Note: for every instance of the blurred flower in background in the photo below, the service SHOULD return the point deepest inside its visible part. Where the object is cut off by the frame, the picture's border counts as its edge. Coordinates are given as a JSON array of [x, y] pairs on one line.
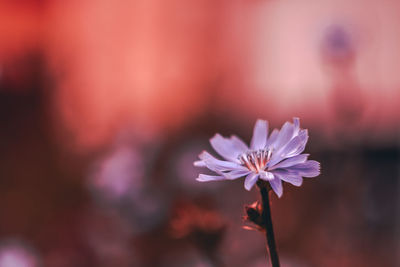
[[122, 180], [339, 52], [14, 254], [338, 43], [119, 174]]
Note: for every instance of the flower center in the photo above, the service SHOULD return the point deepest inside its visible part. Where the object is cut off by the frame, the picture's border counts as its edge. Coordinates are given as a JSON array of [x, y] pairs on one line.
[[256, 160]]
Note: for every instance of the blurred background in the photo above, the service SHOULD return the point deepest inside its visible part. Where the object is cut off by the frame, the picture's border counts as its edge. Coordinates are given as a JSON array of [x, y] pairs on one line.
[[104, 106]]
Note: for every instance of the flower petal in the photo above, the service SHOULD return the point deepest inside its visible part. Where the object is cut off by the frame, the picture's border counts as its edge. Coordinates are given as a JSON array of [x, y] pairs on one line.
[[293, 148], [207, 178], [296, 145], [225, 148], [276, 185], [215, 164], [287, 133], [239, 144], [272, 138], [296, 123], [289, 177], [250, 181], [310, 168], [236, 174], [260, 134], [290, 161], [284, 136], [266, 176], [199, 163]]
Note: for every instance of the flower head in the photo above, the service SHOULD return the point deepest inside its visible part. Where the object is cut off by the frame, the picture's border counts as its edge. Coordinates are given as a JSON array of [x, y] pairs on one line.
[[274, 158]]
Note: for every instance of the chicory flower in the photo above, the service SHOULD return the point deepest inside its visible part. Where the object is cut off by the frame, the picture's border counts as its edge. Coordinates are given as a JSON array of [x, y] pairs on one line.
[[274, 158]]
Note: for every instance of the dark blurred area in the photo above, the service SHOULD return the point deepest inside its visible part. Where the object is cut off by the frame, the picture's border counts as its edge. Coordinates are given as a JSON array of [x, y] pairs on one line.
[[104, 106]]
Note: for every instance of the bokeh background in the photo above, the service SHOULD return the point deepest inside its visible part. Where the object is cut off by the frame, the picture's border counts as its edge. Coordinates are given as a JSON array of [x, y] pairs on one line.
[[104, 105]]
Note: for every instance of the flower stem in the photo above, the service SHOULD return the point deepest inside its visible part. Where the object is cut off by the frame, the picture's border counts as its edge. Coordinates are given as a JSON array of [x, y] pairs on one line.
[[266, 214]]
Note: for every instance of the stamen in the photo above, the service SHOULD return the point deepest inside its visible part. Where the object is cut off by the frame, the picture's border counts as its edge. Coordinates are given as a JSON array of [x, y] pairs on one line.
[[256, 161], [245, 161]]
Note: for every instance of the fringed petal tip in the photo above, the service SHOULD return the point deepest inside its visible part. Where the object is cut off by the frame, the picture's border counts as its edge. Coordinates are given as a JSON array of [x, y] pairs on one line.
[[309, 169], [199, 163], [296, 122], [208, 178], [316, 168]]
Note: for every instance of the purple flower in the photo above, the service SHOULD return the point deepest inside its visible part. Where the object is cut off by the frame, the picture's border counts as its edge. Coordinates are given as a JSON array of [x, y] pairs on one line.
[[274, 158]]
